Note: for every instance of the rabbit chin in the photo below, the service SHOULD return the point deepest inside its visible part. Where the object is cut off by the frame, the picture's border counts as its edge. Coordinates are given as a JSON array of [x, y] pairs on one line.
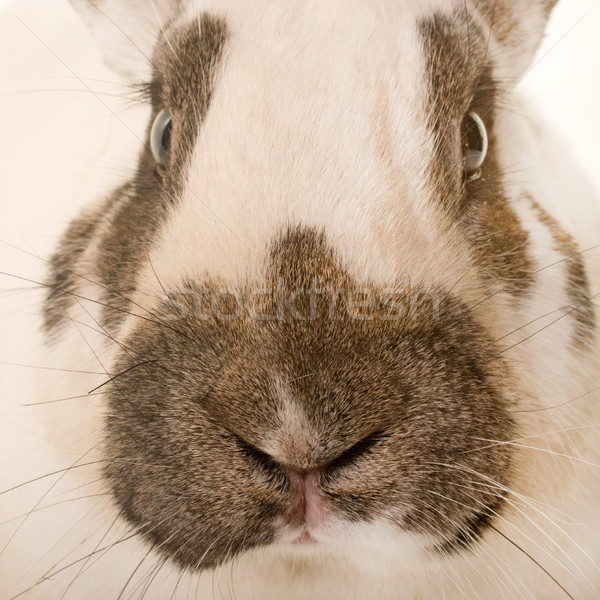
[[345, 539], [334, 563]]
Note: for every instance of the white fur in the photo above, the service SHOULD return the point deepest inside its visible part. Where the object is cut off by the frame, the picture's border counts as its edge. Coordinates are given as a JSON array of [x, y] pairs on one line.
[[267, 157]]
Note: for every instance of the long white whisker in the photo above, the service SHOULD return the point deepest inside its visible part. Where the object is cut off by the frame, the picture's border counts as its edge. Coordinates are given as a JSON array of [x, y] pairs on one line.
[[545, 450]]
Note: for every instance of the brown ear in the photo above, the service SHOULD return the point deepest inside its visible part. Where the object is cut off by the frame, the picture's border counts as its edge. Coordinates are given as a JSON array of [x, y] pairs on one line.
[[517, 26], [127, 30]]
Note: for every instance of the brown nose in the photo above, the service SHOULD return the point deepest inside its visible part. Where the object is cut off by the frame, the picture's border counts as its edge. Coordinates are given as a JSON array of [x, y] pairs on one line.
[[307, 503]]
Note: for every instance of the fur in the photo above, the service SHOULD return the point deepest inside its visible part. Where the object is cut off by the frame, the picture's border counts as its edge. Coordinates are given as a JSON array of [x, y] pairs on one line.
[[453, 448]]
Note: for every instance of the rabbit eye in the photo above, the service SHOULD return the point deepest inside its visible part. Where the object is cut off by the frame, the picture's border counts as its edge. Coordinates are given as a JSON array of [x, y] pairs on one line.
[[160, 137], [475, 144]]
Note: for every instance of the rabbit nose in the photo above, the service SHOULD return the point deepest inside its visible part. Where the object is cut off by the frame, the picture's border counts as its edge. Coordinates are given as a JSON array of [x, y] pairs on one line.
[[307, 503]]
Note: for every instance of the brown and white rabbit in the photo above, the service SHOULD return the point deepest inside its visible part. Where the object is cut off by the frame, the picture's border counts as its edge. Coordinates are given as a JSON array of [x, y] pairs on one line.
[[336, 336]]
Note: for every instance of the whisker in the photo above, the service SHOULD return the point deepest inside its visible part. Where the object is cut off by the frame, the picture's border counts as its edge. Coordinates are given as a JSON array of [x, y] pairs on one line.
[[51, 368], [150, 550], [508, 490], [130, 578], [162, 29], [40, 508], [44, 495], [83, 278], [85, 517], [53, 574], [167, 296], [128, 37], [545, 450], [559, 405], [115, 377], [514, 543], [123, 347], [60, 399], [58, 472], [154, 574], [104, 304], [83, 82], [78, 466], [538, 527], [29, 288], [450, 541], [302, 377], [545, 326], [82, 569], [65, 91], [501, 491], [556, 545], [83, 324], [558, 262], [174, 593], [98, 551], [560, 309], [567, 258], [532, 559]]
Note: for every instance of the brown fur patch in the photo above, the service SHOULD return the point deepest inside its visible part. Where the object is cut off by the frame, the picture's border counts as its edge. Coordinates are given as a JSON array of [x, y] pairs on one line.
[[187, 69], [63, 279], [578, 288], [460, 80], [391, 412], [500, 243], [455, 55], [183, 83]]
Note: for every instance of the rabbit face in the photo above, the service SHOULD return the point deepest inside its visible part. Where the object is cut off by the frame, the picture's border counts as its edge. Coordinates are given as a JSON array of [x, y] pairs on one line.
[[321, 313]]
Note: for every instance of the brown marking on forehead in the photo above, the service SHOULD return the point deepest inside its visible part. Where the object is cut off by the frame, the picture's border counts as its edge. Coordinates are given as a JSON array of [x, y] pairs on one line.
[[388, 403], [578, 288], [460, 80], [183, 83]]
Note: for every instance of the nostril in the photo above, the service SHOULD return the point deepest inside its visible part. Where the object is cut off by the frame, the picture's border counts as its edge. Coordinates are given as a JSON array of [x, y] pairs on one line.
[[297, 475], [355, 452], [299, 478], [257, 456]]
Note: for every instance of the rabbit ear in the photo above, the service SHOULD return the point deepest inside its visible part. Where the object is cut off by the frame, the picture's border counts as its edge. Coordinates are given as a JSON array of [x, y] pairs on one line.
[[517, 25], [127, 30]]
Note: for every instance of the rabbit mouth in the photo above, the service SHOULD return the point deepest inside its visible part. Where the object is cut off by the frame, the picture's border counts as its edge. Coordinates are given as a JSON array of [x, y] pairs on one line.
[[305, 538], [238, 433]]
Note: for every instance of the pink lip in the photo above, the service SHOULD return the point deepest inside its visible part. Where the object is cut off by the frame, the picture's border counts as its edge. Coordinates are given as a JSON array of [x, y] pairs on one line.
[[304, 538]]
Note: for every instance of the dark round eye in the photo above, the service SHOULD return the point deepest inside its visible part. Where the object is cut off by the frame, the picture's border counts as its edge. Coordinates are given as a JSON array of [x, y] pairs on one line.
[[160, 137], [475, 141]]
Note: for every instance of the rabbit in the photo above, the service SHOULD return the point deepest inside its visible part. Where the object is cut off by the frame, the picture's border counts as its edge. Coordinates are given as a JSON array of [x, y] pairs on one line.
[[326, 341]]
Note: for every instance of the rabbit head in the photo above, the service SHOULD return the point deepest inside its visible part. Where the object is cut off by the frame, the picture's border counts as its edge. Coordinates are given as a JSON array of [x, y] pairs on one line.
[[328, 304]]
